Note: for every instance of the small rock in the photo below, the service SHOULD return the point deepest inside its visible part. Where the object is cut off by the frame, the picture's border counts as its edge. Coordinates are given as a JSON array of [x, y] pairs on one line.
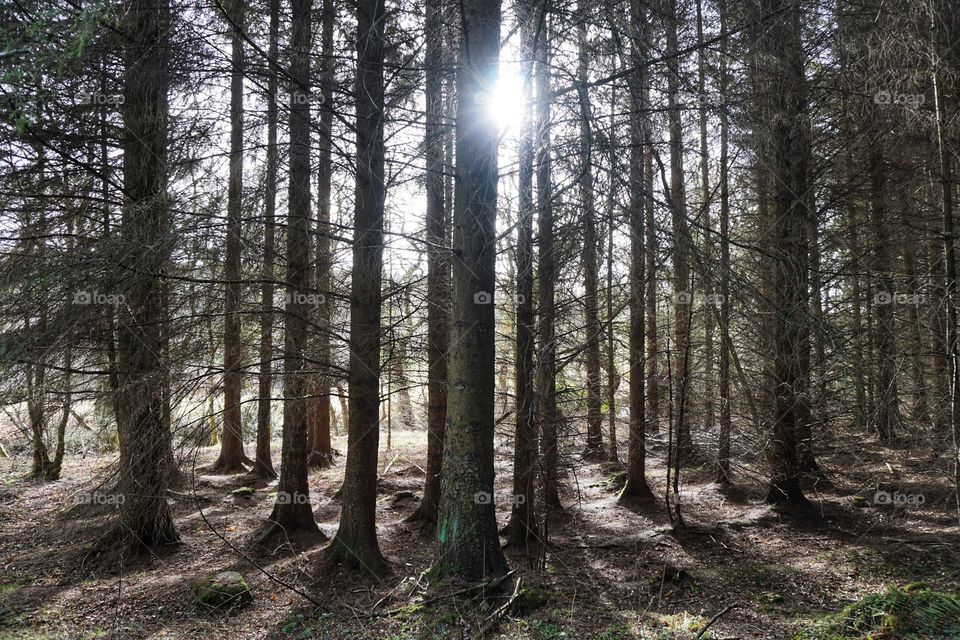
[[224, 590]]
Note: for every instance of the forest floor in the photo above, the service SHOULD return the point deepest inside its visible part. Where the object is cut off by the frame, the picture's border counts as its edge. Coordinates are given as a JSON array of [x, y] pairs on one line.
[[609, 572]]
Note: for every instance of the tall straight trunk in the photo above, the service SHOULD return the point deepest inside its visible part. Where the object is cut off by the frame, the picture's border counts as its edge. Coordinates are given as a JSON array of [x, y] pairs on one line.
[[232, 456], [468, 547], [788, 156], [438, 267], [683, 298], [887, 411], [521, 527], [939, 379], [919, 410], [546, 394], [263, 462], [356, 544], [723, 448], [636, 484], [940, 37], [321, 452], [853, 247], [292, 512], [613, 379], [651, 248], [594, 448], [710, 397], [144, 516]]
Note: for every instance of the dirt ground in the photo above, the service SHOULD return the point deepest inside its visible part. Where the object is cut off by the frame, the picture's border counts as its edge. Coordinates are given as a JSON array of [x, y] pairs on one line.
[[608, 572]]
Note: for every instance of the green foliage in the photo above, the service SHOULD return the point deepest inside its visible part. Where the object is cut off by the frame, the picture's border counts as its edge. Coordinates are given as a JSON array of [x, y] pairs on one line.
[[912, 613], [43, 50]]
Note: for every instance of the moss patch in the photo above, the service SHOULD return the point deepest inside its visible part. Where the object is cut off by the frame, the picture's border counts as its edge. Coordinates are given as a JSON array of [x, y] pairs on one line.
[[897, 613], [224, 590]]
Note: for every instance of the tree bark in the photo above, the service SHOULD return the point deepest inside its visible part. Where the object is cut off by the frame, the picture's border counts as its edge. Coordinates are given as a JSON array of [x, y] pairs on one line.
[[683, 296], [788, 155], [723, 448], [522, 528], [232, 457], [355, 544], [292, 513], [144, 516], [636, 485], [468, 547], [594, 448], [546, 394], [321, 451], [263, 462], [438, 267]]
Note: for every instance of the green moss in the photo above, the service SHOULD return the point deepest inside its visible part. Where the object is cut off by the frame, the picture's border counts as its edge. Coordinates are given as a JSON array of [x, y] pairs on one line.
[[528, 600], [909, 615], [243, 492], [616, 631], [407, 612], [224, 590]]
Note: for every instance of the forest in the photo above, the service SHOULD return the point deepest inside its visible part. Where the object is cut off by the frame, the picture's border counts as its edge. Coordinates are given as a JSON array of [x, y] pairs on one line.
[[547, 319]]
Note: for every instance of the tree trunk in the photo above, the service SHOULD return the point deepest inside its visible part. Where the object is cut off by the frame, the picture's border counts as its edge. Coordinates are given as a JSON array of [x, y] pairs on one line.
[[546, 394], [263, 462], [468, 547], [613, 379], [144, 518], [949, 248], [232, 456], [710, 394], [594, 448], [292, 513], [723, 448], [355, 544], [887, 409], [321, 452], [438, 267], [683, 296], [636, 484], [788, 155], [522, 527]]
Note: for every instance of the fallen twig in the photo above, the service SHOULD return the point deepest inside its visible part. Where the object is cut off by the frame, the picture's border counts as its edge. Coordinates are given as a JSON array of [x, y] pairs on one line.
[[729, 608]]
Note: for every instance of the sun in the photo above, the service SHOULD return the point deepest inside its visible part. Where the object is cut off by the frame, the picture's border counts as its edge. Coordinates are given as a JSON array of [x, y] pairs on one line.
[[506, 103]]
